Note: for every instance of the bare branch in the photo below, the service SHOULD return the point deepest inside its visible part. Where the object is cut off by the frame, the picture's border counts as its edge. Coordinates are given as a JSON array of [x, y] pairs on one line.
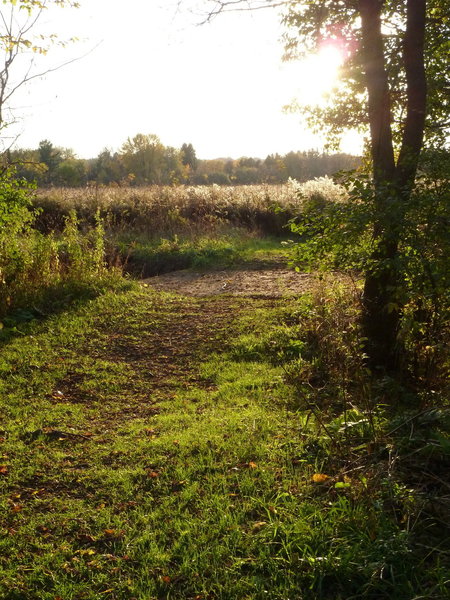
[[224, 6], [15, 40], [27, 78]]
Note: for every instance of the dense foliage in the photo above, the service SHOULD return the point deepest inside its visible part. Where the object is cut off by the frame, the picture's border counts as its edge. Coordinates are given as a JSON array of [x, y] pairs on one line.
[[337, 235]]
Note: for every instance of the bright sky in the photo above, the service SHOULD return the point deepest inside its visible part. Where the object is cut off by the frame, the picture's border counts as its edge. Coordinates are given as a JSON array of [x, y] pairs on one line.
[[219, 86]]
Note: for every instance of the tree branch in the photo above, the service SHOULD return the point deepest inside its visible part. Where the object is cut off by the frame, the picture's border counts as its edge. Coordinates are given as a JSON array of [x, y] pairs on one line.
[[223, 6]]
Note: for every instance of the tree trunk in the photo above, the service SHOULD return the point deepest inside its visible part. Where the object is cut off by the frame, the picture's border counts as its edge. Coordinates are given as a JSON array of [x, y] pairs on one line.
[[380, 311], [416, 84], [393, 183]]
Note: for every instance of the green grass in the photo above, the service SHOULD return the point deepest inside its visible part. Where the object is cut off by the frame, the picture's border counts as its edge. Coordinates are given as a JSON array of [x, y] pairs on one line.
[[146, 256], [152, 446]]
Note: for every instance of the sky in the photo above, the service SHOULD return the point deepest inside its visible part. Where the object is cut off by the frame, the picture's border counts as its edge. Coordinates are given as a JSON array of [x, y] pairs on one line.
[[148, 66]]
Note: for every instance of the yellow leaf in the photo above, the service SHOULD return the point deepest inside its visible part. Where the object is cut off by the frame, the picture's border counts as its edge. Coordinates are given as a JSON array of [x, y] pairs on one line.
[[320, 477], [258, 525]]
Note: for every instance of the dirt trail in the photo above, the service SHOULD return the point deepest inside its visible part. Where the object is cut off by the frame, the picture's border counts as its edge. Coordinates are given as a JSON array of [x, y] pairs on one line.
[[256, 281]]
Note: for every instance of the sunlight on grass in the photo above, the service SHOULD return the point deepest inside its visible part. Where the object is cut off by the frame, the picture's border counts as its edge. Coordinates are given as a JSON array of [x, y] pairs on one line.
[[126, 468]]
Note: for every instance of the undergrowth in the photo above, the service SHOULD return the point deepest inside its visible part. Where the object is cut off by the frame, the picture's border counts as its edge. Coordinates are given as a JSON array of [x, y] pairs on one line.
[[42, 273]]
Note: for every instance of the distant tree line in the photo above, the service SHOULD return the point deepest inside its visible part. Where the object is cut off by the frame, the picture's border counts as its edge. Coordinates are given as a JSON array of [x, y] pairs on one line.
[[144, 160]]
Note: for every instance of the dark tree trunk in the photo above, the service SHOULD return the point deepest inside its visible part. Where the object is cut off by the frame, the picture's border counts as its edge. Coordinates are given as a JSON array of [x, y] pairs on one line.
[[380, 316], [393, 183], [413, 52], [378, 92]]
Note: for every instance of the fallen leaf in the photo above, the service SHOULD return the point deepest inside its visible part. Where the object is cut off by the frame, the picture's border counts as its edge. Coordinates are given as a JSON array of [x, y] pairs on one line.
[[114, 533], [252, 465], [153, 474], [42, 529], [3, 470], [258, 525], [320, 477], [166, 579]]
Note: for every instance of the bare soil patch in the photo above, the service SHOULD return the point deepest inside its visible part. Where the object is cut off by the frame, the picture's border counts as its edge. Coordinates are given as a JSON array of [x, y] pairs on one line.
[[271, 282]]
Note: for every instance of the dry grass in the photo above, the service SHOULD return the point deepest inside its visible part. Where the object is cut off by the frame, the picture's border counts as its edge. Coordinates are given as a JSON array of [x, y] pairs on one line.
[[262, 208]]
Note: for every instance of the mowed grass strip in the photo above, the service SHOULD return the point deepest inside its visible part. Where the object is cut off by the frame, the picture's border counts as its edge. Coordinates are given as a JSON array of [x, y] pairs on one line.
[[145, 454]]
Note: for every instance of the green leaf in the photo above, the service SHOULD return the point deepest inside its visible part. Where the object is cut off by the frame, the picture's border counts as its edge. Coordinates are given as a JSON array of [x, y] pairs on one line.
[[339, 485]]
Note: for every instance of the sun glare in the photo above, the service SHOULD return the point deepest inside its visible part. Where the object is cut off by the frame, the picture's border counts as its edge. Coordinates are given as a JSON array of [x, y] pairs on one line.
[[317, 74]]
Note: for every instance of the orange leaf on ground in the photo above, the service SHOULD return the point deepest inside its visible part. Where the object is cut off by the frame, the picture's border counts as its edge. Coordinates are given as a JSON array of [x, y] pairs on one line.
[[252, 465], [320, 477], [3, 470]]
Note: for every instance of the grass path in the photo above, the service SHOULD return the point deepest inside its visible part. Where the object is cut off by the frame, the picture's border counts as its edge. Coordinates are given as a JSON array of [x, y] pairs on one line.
[[110, 429], [149, 450]]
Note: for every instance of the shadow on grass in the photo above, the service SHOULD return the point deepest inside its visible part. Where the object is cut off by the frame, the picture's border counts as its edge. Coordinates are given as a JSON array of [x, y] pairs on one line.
[[55, 300]]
